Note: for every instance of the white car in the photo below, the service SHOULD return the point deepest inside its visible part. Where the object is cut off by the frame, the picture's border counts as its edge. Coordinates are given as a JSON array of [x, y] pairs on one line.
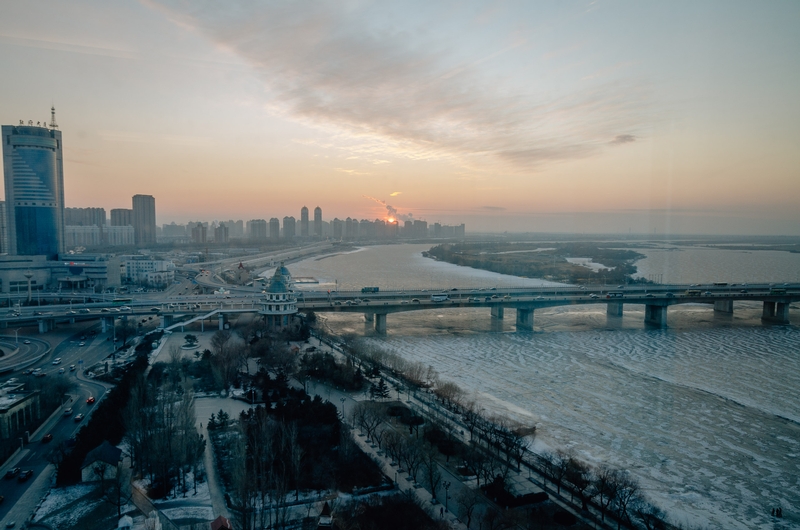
[[57, 360]]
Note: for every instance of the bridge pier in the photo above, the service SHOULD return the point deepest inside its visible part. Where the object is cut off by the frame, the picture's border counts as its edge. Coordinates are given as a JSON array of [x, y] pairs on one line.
[[723, 306], [166, 320], [497, 312], [380, 323], [221, 321], [777, 312], [47, 324], [369, 317], [614, 309], [655, 315], [524, 319], [105, 324]]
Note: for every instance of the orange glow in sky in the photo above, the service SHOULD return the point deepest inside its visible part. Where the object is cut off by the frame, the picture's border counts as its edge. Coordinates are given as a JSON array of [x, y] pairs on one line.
[[523, 116]]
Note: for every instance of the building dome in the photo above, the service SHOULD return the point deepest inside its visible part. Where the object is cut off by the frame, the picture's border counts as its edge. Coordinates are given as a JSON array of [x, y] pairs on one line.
[[279, 301]]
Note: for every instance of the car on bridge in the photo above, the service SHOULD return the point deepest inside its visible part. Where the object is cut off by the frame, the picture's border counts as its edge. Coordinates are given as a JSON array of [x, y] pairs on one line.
[[26, 342]]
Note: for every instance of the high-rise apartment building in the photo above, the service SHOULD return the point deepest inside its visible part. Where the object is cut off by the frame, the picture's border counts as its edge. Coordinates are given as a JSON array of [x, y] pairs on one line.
[[257, 230], [199, 233], [34, 182], [121, 217], [338, 225], [221, 233], [289, 224], [274, 229], [304, 222], [85, 217], [318, 221], [144, 219]]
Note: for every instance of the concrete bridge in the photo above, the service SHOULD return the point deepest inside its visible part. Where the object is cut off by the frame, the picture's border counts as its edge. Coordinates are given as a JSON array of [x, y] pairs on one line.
[[525, 301], [178, 311]]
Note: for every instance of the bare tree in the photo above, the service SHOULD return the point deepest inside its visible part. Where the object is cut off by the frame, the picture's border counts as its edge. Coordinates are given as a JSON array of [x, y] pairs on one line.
[[476, 460], [468, 499], [125, 329], [392, 440], [628, 493], [430, 467], [368, 417], [605, 486], [412, 456], [580, 476], [449, 392]]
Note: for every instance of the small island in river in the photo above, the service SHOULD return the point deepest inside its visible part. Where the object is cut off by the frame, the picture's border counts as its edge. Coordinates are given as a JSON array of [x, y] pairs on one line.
[[558, 262]]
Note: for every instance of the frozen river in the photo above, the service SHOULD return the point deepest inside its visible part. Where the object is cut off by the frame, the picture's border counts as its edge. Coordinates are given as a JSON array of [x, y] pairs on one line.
[[705, 414]]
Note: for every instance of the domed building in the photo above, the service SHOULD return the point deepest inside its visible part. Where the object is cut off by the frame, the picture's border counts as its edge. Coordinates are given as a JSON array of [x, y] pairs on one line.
[[280, 302]]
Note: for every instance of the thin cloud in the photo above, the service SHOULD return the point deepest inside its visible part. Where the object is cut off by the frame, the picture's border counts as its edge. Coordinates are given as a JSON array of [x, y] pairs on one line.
[[494, 208], [623, 139], [395, 193], [324, 64]]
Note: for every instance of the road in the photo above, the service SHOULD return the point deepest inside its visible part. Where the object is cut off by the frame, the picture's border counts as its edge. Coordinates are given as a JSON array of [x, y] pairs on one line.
[[34, 454]]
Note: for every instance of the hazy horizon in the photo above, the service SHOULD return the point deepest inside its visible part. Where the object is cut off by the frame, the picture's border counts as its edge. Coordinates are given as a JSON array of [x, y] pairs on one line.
[[581, 117]]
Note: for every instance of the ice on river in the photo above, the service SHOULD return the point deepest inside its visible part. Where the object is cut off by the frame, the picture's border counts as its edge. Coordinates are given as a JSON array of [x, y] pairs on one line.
[[707, 419]]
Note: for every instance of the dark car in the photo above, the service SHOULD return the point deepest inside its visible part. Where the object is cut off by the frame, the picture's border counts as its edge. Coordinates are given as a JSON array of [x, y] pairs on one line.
[[25, 475], [47, 438], [11, 473], [78, 418]]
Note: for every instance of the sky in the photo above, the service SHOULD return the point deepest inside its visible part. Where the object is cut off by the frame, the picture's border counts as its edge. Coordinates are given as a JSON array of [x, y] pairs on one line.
[[583, 117]]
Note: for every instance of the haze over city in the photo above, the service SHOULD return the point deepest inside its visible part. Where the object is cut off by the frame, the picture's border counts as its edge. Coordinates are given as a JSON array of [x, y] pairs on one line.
[[584, 117]]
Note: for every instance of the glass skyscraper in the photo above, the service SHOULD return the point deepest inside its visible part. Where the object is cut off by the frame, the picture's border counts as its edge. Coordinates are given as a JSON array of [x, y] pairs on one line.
[[34, 180]]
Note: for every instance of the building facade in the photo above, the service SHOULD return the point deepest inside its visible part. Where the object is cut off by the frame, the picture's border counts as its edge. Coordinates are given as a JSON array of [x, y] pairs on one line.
[[304, 221], [289, 225], [121, 217], [221, 233], [318, 221], [34, 182], [274, 229], [144, 219], [257, 230], [147, 271], [18, 409]]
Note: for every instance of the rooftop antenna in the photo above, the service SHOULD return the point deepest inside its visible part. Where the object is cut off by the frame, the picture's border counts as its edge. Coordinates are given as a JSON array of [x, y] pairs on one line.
[[53, 124]]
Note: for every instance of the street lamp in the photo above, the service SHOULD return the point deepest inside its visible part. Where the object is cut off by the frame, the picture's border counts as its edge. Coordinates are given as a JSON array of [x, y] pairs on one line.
[[16, 337], [344, 416], [446, 485]]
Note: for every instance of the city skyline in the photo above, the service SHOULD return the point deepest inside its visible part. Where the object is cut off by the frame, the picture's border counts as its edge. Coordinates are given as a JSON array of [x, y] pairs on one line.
[[581, 117]]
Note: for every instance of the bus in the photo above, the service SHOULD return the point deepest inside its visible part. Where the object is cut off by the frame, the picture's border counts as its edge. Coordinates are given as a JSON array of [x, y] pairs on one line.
[[777, 290], [122, 301], [693, 292], [370, 289], [720, 284], [439, 298]]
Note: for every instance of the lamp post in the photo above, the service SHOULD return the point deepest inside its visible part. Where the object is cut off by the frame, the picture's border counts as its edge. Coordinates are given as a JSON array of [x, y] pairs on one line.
[[446, 485], [16, 337], [344, 416]]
